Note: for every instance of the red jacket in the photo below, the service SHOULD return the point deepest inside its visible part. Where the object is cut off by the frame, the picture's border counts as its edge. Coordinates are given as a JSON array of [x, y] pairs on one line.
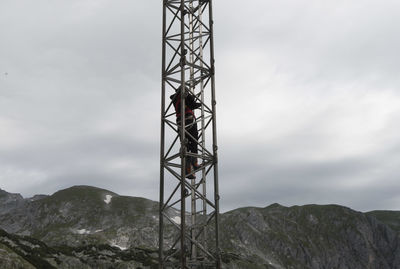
[[190, 103]]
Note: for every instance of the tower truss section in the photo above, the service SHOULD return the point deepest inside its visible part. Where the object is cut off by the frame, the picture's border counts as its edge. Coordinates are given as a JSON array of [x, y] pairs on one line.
[[189, 194]]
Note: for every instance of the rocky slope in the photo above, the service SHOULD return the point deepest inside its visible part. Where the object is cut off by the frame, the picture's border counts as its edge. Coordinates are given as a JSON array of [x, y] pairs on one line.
[[10, 201], [26, 252], [390, 218], [85, 215], [82, 224], [310, 236]]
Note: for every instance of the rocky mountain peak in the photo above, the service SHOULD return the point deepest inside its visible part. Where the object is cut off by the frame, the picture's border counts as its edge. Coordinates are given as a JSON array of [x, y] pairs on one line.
[[81, 192], [9, 201], [276, 236], [37, 197], [9, 197]]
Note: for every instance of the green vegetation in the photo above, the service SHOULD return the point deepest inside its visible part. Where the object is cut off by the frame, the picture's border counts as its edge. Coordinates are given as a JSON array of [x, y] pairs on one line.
[[390, 218], [77, 193], [32, 250], [8, 258], [38, 254]]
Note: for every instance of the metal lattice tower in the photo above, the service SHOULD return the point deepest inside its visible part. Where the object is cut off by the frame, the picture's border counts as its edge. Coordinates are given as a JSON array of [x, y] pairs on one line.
[[189, 208]]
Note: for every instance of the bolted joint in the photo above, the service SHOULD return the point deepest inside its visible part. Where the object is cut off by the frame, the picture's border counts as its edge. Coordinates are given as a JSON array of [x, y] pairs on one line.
[[212, 71], [182, 151], [186, 192], [183, 61], [183, 57]]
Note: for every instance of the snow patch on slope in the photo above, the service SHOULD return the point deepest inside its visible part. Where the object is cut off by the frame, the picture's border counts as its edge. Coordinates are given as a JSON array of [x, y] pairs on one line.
[[118, 246], [108, 199], [121, 241], [82, 231], [177, 220]]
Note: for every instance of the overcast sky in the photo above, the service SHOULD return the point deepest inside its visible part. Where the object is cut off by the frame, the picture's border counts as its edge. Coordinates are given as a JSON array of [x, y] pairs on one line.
[[308, 98]]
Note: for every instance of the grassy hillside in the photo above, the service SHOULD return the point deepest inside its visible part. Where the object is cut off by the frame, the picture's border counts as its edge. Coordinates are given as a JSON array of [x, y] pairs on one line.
[[390, 218]]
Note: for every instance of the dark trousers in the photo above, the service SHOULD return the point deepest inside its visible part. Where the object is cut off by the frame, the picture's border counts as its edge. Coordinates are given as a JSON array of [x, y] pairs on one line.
[[192, 139]]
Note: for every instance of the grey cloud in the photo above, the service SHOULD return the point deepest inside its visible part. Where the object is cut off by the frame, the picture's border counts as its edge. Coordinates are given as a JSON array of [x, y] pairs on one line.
[[261, 175], [307, 99], [330, 41], [93, 160]]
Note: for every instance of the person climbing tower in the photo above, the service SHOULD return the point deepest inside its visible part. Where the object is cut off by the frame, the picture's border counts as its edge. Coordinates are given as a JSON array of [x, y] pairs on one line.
[[191, 126]]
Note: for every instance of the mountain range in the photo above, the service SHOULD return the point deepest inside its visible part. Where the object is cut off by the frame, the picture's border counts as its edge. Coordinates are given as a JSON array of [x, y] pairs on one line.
[[89, 227]]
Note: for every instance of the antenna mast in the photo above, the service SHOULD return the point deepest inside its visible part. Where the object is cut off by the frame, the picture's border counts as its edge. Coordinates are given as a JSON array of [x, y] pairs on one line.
[[189, 208]]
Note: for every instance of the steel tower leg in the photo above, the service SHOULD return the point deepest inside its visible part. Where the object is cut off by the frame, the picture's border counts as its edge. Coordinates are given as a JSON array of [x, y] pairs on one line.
[[188, 239]]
